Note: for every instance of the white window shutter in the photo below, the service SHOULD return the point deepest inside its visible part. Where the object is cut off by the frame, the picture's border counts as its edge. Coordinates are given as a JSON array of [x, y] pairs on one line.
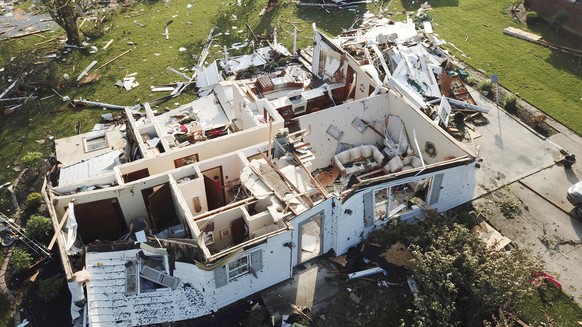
[[220, 278]]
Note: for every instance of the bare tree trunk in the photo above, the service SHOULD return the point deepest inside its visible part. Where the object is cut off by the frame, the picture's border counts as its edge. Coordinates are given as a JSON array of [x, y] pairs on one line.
[[63, 13]]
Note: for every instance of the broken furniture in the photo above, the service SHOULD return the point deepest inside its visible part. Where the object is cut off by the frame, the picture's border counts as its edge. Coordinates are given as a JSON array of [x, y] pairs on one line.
[[358, 159]]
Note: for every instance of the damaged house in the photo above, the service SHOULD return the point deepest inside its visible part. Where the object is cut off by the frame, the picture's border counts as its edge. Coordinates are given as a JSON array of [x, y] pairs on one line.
[[177, 215]]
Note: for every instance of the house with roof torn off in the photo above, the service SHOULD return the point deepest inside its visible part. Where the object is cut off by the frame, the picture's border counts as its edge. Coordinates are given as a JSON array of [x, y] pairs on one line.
[[176, 215]]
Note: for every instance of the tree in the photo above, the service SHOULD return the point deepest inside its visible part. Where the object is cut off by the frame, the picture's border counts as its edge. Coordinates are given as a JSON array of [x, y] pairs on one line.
[[38, 227], [20, 260], [463, 282], [64, 13], [50, 288]]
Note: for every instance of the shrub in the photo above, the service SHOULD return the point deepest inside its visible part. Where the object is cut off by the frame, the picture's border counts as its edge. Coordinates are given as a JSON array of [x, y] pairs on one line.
[[510, 103], [31, 157], [20, 261], [485, 86], [471, 80], [34, 199], [532, 17], [50, 288], [38, 226]]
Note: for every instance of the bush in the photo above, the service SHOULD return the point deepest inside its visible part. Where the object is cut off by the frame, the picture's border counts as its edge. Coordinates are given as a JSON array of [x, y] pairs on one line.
[[485, 86], [31, 157], [20, 261], [510, 103], [34, 199], [471, 80], [39, 227], [532, 17], [49, 289]]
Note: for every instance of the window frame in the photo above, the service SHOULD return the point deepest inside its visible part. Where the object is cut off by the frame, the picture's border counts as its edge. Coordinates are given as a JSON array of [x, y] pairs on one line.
[[101, 144], [231, 267]]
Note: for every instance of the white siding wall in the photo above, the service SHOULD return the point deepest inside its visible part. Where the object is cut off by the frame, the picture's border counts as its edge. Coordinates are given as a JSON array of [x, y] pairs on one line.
[[276, 268], [457, 187], [328, 229]]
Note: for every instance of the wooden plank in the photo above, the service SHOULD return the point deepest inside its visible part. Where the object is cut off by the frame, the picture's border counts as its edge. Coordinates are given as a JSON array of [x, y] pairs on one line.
[[112, 60], [58, 230], [314, 181], [287, 181]]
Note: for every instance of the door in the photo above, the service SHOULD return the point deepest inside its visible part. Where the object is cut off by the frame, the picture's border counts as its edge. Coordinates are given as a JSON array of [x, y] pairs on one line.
[[311, 238], [160, 206], [213, 185]]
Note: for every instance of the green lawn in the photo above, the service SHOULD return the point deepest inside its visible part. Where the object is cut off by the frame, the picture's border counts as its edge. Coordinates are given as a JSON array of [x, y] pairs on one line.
[[550, 80], [548, 306]]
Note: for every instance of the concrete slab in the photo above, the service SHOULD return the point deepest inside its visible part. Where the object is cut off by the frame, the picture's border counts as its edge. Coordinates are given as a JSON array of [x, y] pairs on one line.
[[509, 150], [543, 229], [309, 288]]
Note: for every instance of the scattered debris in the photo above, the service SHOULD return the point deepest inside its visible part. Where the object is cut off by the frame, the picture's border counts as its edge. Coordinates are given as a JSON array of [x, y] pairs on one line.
[[367, 272], [87, 103], [84, 72], [112, 60]]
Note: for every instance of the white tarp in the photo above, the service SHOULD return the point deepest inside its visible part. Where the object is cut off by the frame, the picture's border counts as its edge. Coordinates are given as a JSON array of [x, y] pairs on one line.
[[71, 225]]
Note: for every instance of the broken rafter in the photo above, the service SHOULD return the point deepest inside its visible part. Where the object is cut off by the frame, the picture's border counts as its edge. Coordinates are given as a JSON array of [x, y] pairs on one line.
[[287, 181], [314, 181], [277, 194], [58, 230]]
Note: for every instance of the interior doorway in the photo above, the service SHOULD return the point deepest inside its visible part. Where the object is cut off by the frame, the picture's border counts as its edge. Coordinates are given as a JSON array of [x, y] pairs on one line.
[[311, 238], [214, 187], [160, 206]]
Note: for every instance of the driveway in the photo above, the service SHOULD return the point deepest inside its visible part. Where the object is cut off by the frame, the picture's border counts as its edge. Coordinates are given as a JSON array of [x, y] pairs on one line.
[[519, 174]]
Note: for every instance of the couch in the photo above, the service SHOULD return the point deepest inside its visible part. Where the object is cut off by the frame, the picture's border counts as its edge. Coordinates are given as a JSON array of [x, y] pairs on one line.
[[358, 159]]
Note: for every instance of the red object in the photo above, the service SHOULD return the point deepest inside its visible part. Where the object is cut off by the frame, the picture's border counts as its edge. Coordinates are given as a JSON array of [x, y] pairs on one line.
[[537, 277], [184, 129]]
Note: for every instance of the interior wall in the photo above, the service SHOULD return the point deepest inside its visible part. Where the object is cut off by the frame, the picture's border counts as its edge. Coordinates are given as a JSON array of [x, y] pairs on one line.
[[180, 205], [341, 117], [328, 230], [192, 189], [221, 222], [205, 150], [129, 197], [446, 146]]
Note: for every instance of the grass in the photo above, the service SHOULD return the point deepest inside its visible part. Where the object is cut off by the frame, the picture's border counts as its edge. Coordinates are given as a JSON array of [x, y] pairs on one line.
[[548, 306], [550, 80]]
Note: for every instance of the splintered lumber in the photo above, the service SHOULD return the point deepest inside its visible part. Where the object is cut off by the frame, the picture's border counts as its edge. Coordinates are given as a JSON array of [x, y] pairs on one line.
[[105, 105], [83, 73], [108, 44], [27, 34], [8, 89], [112, 60], [58, 230]]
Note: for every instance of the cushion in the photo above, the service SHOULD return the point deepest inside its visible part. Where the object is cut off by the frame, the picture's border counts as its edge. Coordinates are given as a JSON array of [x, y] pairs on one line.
[[395, 164], [366, 151], [416, 162], [407, 160]]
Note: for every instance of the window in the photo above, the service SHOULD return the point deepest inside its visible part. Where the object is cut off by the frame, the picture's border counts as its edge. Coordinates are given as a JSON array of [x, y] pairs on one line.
[[95, 143], [238, 267]]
